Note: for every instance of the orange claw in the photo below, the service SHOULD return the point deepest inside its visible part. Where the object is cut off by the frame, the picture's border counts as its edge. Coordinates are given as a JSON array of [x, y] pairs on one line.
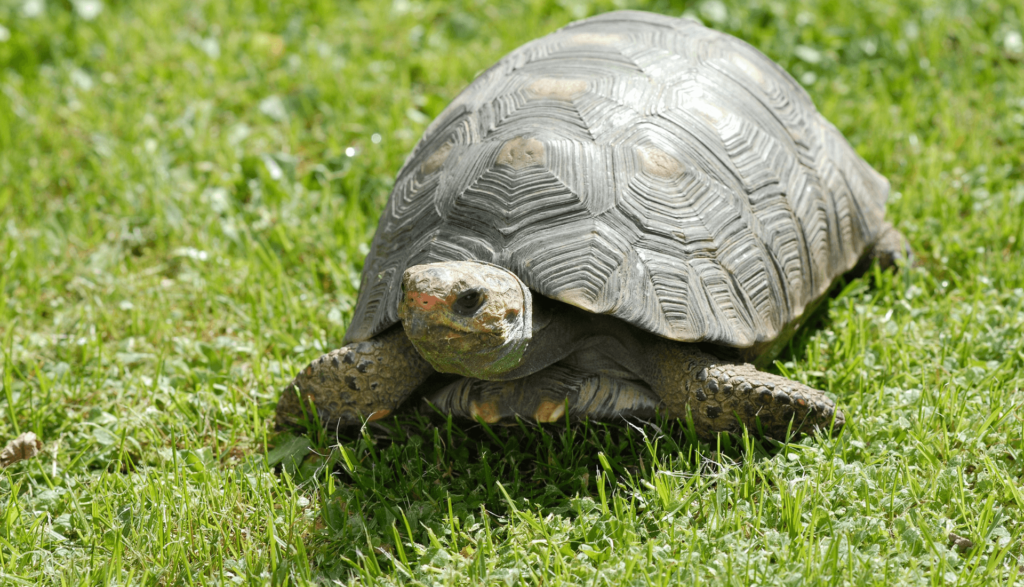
[[379, 414], [486, 411], [549, 412]]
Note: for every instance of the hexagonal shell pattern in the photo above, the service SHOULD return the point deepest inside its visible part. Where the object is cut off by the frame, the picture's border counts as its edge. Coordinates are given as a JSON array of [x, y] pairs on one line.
[[640, 166]]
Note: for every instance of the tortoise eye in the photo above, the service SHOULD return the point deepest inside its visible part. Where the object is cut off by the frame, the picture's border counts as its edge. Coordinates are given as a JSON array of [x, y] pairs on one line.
[[468, 303]]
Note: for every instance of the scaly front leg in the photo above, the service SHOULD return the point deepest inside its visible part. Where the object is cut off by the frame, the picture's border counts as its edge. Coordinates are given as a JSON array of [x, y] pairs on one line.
[[364, 380], [721, 395]]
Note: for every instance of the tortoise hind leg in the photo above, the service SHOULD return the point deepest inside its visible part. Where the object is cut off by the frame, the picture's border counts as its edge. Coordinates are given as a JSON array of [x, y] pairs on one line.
[[892, 248], [364, 380], [546, 397], [721, 395]]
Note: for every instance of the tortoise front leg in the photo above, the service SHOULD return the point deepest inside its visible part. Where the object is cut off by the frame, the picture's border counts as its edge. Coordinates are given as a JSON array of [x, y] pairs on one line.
[[721, 395], [364, 380], [546, 397]]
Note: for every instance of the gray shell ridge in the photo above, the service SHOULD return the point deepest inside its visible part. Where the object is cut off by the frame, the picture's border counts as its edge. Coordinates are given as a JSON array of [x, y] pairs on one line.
[[640, 166]]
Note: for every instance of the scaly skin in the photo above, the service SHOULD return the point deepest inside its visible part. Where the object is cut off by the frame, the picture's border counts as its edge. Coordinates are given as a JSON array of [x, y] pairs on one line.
[[360, 381], [720, 395], [891, 248]]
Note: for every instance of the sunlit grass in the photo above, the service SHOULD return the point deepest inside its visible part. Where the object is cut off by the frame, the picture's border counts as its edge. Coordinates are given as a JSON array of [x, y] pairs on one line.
[[187, 191]]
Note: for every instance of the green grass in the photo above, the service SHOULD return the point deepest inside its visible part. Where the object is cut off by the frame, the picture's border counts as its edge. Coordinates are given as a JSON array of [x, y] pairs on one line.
[[187, 191]]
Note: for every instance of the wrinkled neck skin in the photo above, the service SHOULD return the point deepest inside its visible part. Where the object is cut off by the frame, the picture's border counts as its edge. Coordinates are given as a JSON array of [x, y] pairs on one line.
[[560, 330]]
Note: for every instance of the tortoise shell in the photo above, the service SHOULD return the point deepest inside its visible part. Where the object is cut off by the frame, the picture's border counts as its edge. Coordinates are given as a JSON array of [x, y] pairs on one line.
[[640, 166]]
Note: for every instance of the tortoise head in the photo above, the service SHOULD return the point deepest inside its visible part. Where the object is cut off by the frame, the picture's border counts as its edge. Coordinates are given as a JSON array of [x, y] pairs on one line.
[[466, 317]]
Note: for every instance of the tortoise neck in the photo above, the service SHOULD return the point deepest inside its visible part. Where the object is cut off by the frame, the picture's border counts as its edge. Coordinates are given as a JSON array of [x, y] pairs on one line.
[[560, 330]]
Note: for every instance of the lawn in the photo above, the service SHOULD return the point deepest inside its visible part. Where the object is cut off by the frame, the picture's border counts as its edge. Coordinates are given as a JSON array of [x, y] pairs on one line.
[[187, 192]]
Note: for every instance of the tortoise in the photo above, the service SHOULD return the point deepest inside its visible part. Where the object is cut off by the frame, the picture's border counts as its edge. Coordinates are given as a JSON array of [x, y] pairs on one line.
[[628, 216]]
